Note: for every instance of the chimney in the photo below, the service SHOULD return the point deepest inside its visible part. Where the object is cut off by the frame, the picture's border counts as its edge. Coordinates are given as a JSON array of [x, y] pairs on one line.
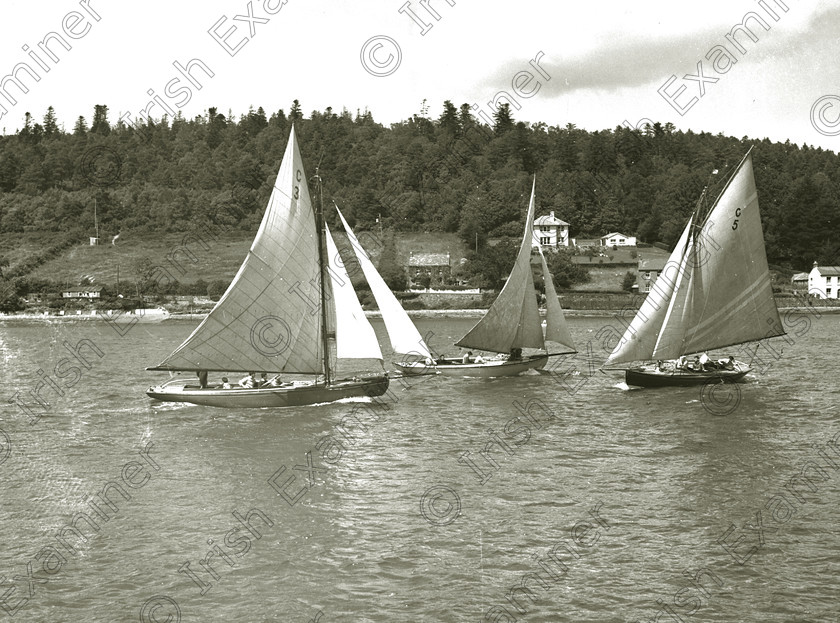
[[552, 213]]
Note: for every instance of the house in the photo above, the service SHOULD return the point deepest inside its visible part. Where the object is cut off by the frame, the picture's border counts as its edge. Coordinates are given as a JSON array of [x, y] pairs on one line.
[[82, 292], [616, 239], [823, 281], [436, 265], [551, 232], [799, 283], [649, 270]]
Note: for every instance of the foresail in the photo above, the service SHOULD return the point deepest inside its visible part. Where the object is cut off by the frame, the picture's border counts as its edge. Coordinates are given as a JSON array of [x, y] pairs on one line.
[[513, 321], [404, 336], [732, 296], [269, 317], [639, 340], [556, 329], [354, 336]]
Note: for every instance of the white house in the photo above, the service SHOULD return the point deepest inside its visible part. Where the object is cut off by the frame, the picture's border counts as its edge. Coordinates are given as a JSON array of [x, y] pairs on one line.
[[82, 292], [823, 281], [616, 239], [551, 232]]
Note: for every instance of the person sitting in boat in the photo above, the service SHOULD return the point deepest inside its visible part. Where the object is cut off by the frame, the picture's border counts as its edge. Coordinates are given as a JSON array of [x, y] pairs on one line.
[[202, 378], [467, 358], [515, 354], [263, 380], [730, 363], [660, 365], [704, 362], [274, 382], [682, 363], [225, 383], [441, 360], [478, 359], [248, 382]]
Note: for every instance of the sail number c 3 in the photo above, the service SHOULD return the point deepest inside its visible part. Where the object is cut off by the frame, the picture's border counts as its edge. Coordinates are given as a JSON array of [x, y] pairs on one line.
[[296, 194]]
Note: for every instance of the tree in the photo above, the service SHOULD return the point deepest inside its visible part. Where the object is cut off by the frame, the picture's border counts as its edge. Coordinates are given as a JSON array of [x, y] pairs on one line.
[[564, 271], [629, 281], [80, 128], [100, 123], [503, 121], [50, 123]]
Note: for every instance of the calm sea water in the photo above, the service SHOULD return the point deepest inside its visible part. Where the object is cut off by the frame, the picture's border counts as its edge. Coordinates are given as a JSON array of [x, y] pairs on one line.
[[608, 504]]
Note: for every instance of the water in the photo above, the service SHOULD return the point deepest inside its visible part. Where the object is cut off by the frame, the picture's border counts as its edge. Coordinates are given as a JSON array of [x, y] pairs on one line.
[[665, 470]]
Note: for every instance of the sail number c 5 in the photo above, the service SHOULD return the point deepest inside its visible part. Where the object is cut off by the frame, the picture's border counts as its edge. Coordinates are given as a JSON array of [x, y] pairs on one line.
[[735, 222]]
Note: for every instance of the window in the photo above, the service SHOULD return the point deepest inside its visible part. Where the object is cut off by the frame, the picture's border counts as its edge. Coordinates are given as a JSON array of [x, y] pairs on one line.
[[647, 275], [545, 240]]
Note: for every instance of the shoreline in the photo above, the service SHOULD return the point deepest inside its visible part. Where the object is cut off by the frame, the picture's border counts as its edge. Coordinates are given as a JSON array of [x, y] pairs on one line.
[[413, 313]]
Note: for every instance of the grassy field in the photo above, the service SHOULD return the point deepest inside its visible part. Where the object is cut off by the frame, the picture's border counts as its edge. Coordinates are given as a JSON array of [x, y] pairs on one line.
[[218, 259]]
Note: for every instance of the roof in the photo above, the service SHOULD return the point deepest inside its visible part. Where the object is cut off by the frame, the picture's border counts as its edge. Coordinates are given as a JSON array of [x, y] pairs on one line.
[[429, 259], [549, 220], [83, 289], [829, 271], [587, 242], [615, 233], [653, 263], [800, 277]]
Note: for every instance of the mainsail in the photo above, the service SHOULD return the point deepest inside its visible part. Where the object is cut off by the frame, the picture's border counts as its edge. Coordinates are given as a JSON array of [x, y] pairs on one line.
[[354, 336], [513, 321], [405, 339], [716, 290], [269, 318]]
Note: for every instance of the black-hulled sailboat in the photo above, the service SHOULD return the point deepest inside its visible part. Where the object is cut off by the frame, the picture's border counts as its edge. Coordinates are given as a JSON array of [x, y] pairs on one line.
[[714, 292], [277, 315], [511, 324]]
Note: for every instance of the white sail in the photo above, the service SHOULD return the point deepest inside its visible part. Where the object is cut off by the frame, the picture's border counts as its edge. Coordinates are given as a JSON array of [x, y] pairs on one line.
[[269, 317], [513, 321], [354, 336], [404, 336], [556, 329], [639, 340]]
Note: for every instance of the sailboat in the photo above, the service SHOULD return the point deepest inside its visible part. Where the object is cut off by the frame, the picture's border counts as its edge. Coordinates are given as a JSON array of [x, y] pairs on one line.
[[714, 292], [276, 317], [511, 324]]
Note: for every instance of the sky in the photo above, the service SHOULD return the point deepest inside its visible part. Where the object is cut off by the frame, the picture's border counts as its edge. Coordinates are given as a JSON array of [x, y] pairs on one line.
[[594, 64]]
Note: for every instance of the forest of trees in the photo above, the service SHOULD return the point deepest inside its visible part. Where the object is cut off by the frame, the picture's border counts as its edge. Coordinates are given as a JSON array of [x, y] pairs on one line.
[[449, 174]]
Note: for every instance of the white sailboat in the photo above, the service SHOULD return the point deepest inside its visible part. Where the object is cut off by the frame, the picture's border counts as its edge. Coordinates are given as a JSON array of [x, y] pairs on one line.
[[512, 323], [714, 292], [278, 313]]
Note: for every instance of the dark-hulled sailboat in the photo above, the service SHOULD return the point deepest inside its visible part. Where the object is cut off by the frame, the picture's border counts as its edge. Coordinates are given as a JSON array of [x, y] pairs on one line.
[[512, 322], [714, 292], [278, 313]]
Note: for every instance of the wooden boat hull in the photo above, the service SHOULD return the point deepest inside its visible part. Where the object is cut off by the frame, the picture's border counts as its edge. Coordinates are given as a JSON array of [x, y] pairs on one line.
[[296, 395], [649, 376], [488, 369]]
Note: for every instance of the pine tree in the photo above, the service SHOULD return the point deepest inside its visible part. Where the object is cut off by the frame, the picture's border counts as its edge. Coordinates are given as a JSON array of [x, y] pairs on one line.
[[50, 123], [81, 128], [100, 123]]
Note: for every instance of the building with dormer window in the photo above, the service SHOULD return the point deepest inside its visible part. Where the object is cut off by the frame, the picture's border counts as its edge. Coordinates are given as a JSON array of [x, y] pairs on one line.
[[550, 232]]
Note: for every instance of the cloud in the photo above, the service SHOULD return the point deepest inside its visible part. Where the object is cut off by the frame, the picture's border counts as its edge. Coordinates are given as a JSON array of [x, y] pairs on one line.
[[622, 62]]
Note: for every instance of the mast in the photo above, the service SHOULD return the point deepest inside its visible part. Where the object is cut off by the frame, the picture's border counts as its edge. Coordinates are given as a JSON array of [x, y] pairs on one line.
[[322, 265]]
